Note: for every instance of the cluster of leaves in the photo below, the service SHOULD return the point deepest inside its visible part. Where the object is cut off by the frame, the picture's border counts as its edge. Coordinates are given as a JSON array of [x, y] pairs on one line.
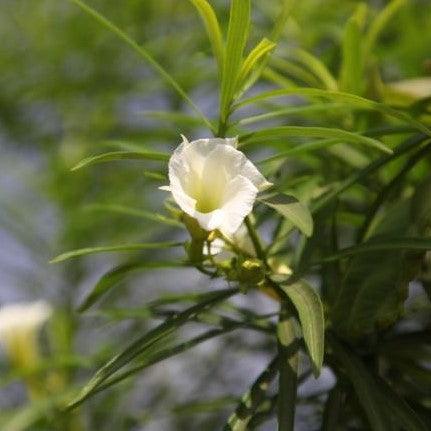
[[350, 209]]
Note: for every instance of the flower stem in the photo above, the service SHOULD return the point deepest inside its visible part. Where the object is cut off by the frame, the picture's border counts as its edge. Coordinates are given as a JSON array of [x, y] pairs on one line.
[[254, 236]]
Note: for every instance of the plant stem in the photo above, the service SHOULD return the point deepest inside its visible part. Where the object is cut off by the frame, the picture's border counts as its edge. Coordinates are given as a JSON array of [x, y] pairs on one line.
[[288, 346], [254, 236]]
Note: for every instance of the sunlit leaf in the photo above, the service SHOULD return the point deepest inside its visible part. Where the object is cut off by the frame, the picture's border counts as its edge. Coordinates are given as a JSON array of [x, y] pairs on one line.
[[316, 132], [352, 64], [239, 23], [317, 67], [310, 310], [264, 47], [352, 99], [292, 209], [213, 29]]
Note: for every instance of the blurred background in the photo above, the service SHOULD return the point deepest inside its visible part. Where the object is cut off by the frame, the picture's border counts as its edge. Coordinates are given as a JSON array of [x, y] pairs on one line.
[[70, 89]]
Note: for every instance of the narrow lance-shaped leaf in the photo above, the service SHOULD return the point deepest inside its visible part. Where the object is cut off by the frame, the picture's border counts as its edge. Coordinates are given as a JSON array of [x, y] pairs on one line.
[[399, 408], [317, 67], [113, 277], [115, 248], [291, 110], [310, 310], [264, 47], [309, 131], [143, 53], [290, 207], [380, 22], [363, 383], [239, 23], [134, 212], [414, 142], [352, 65], [114, 156], [148, 340], [380, 245], [354, 100], [295, 71], [213, 29]]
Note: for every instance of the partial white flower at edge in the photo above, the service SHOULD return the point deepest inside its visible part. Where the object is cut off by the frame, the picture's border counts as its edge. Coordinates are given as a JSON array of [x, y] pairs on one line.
[[19, 326], [214, 183], [23, 317]]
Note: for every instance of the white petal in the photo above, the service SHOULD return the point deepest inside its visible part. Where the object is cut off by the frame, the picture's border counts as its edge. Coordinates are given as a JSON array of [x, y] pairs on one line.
[[19, 317], [185, 202], [238, 203], [250, 171], [210, 221], [165, 188]]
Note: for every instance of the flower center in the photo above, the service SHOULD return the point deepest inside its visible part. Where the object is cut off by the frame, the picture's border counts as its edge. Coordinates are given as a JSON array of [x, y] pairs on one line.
[[209, 190]]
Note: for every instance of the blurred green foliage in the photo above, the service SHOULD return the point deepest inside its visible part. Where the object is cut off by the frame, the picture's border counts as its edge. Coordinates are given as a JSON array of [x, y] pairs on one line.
[[69, 88]]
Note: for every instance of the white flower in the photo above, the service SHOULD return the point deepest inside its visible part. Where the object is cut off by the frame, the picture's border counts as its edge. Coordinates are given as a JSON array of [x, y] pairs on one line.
[[239, 239], [22, 319], [214, 183]]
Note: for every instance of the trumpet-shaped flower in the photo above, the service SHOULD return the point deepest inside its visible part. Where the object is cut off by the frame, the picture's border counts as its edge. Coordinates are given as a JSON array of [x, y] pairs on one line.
[[22, 317], [214, 183], [19, 324]]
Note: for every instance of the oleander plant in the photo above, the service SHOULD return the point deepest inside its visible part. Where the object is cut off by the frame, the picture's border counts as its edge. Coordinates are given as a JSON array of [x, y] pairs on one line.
[[227, 210]]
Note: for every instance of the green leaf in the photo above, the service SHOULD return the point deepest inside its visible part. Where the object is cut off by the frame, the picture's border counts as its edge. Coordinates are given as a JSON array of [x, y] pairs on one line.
[[281, 20], [264, 47], [366, 388], [317, 67], [212, 27], [117, 274], [121, 155], [382, 245], [413, 142], [308, 131], [300, 149], [352, 99], [143, 53], [290, 207], [160, 356], [375, 283], [380, 22], [295, 71], [310, 310], [134, 212], [292, 110], [148, 340], [352, 64], [400, 410], [113, 248], [239, 23], [333, 409], [276, 33]]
